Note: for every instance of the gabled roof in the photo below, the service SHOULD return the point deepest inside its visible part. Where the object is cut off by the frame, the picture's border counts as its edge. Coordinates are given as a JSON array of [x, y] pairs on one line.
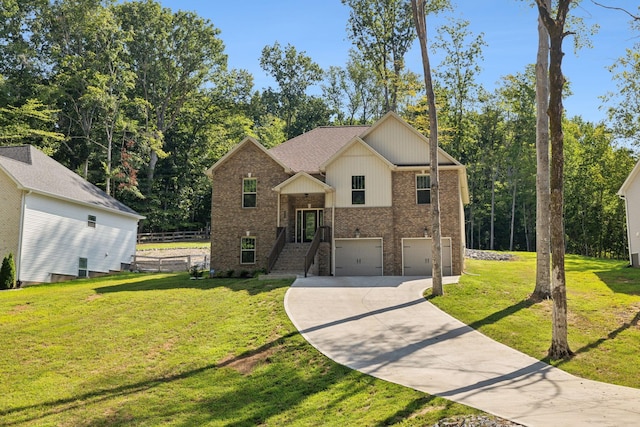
[[354, 141], [393, 116], [32, 170], [308, 151], [247, 140], [627, 182], [312, 184]]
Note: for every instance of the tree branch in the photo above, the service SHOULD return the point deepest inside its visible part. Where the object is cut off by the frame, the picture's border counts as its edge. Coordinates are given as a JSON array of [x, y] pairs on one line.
[[635, 17]]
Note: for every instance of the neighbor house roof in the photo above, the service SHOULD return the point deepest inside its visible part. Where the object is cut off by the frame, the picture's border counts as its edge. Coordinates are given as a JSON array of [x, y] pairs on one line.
[[32, 170], [627, 182], [307, 152]]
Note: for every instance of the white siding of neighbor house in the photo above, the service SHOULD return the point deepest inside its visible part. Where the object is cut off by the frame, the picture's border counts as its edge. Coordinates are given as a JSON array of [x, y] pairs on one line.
[[359, 160], [399, 144], [10, 207], [56, 235], [632, 200]]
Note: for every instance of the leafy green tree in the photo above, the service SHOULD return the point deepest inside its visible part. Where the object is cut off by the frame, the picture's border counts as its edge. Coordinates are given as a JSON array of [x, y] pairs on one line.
[[294, 72], [383, 31], [8, 273], [457, 74], [352, 92], [173, 55]]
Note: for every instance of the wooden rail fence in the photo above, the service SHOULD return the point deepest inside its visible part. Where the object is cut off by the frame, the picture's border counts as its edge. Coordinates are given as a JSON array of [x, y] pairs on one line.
[[173, 236]]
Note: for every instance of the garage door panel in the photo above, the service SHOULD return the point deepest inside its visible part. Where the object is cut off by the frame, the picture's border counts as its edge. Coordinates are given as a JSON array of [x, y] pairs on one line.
[[358, 257], [417, 259]]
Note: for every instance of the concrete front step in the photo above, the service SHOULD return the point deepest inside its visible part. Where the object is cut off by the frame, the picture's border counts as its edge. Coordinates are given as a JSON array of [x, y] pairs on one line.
[[291, 258]]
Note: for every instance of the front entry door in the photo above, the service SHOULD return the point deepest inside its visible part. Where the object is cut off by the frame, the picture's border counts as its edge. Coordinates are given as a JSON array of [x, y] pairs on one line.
[[308, 221]]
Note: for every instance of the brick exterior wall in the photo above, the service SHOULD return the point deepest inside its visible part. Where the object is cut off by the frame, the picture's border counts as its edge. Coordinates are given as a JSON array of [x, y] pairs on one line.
[[10, 207], [230, 221], [411, 218], [405, 218]]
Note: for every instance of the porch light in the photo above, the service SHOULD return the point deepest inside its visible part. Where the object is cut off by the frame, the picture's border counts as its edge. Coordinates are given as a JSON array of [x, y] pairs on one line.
[[426, 232], [357, 233], [248, 233]]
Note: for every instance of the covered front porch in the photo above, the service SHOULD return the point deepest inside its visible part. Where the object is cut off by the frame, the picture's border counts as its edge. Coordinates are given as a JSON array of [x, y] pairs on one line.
[[303, 203]]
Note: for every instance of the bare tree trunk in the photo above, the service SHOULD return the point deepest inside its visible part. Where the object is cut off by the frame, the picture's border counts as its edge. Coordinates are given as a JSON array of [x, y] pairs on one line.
[[513, 212], [436, 253], [543, 260], [493, 207], [559, 337]]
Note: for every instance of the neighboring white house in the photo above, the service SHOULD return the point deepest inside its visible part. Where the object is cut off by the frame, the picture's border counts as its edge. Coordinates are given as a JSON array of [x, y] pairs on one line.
[[56, 224], [630, 193]]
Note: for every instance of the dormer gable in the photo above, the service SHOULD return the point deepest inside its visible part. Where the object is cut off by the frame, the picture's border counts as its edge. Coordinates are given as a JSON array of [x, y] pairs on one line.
[[302, 183], [401, 144]]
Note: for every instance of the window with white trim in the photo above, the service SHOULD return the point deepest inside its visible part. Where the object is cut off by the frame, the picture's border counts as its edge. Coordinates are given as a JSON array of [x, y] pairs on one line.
[[249, 192], [248, 250], [83, 267], [423, 189], [91, 221], [357, 190]]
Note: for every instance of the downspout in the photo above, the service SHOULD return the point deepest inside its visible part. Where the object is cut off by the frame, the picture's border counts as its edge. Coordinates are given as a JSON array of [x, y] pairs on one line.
[[333, 227]]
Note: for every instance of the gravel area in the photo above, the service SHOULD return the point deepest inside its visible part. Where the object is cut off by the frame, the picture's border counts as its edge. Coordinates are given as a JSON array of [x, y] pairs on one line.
[[475, 421], [488, 255]]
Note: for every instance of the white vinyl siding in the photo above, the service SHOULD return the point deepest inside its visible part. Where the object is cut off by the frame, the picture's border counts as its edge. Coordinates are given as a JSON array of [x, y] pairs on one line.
[[399, 144], [56, 235], [359, 160], [632, 201]]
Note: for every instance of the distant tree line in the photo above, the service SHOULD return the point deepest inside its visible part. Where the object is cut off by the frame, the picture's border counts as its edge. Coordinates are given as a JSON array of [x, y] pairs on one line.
[[138, 99]]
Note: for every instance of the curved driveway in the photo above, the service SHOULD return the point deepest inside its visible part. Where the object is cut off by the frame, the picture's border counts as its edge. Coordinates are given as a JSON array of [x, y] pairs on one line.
[[383, 326]]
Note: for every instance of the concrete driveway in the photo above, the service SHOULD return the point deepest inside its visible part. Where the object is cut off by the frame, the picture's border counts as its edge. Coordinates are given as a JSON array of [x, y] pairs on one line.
[[382, 326]]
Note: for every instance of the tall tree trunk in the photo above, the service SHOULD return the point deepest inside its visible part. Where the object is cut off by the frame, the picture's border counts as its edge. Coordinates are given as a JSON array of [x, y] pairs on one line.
[[513, 212], [559, 337], [543, 259], [436, 253], [493, 207]]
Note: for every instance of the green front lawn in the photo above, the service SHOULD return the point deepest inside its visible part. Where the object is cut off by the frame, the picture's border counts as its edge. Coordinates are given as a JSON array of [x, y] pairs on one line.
[[161, 349], [603, 305]]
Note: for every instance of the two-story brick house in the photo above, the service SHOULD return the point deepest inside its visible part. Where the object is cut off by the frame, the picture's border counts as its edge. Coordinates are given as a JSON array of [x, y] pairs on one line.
[[367, 188]]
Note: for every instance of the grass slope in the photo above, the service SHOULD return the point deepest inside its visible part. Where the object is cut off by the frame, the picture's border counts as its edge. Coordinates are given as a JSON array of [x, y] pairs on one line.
[[603, 305], [161, 349]]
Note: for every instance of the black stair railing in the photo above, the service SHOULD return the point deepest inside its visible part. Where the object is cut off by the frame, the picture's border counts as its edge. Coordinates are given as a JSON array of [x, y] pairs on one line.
[[322, 235], [276, 249]]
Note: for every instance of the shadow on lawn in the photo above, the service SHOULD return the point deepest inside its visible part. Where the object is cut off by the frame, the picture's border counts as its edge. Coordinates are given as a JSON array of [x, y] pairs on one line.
[[150, 282], [621, 280], [271, 388]]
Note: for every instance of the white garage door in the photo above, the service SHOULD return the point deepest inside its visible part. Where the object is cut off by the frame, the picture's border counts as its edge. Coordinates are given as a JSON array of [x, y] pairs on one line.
[[358, 257], [416, 257]]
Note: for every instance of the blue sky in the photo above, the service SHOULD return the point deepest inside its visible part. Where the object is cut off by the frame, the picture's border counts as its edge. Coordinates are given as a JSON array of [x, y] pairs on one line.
[[319, 28]]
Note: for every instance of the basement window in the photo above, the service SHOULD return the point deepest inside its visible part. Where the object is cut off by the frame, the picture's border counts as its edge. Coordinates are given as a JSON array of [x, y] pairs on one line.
[[83, 270], [248, 250]]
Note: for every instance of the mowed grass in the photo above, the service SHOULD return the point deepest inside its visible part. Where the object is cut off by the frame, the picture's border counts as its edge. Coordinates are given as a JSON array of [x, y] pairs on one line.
[[149, 350], [603, 313]]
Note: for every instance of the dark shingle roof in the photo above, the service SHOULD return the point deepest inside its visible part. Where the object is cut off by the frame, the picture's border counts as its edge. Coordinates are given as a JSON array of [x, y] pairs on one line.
[[33, 170], [306, 152]]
